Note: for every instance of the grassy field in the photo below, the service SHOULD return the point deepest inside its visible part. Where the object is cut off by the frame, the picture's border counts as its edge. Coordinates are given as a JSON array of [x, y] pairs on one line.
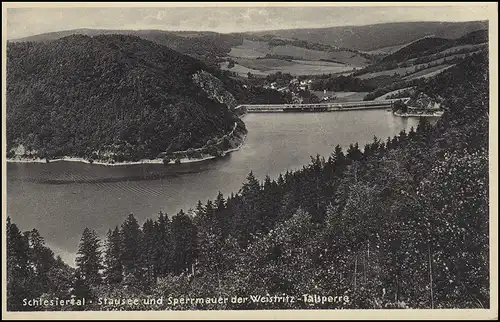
[[256, 49], [399, 71], [242, 70], [350, 96], [429, 72], [319, 63], [294, 67], [249, 58], [320, 93], [383, 97], [451, 56], [345, 57], [342, 96], [451, 50], [411, 69], [298, 69], [264, 64], [385, 50], [250, 49], [299, 52], [441, 60]]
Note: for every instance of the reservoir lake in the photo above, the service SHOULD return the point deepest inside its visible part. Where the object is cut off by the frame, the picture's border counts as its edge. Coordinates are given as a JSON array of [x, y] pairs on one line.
[[60, 199]]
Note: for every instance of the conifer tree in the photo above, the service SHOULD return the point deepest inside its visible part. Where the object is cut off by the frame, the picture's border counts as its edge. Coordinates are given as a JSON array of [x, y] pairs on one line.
[[148, 250], [200, 213], [41, 259], [130, 247], [221, 214], [247, 219], [339, 159], [113, 265], [210, 239], [81, 290], [424, 128], [268, 209], [184, 236], [88, 259], [18, 271], [163, 254]]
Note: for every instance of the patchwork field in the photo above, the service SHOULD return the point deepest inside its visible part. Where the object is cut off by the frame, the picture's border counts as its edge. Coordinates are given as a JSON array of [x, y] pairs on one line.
[[429, 72], [298, 69], [385, 50], [453, 49], [250, 49], [343, 56], [402, 71], [250, 55], [267, 66], [449, 57], [390, 72], [242, 70], [263, 64]]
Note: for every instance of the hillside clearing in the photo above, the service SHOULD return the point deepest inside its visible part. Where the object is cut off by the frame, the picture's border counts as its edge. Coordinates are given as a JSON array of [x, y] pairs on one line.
[[383, 97], [453, 49], [242, 70], [402, 71], [295, 67], [250, 49], [342, 56], [342, 96], [385, 50], [429, 72]]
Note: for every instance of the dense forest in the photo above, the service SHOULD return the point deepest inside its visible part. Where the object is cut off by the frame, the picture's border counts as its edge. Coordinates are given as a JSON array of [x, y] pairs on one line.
[[372, 37], [252, 91], [344, 83], [206, 46], [402, 222], [110, 97], [431, 45]]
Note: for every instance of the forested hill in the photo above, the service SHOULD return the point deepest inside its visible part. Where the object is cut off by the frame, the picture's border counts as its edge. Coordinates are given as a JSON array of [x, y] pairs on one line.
[[430, 45], [206, 46], [376, 36], [402, 223], [108, 95]]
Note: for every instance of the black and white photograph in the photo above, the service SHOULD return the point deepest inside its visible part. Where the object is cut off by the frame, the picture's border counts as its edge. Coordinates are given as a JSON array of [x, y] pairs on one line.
[[262, 160]]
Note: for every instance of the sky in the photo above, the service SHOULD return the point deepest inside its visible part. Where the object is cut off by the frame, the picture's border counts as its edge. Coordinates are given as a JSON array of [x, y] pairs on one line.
[[27, 21]]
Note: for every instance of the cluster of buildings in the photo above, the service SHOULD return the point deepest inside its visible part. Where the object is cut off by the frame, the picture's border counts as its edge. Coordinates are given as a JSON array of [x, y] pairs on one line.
[[296, 88], [293, 86]]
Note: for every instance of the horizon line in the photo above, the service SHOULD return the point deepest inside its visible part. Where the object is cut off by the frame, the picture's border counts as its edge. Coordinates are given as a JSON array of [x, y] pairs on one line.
[[251, 31]]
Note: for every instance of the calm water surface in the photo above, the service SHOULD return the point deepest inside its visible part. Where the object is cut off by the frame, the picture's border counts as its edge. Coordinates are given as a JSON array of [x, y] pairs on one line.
[[60, 199]]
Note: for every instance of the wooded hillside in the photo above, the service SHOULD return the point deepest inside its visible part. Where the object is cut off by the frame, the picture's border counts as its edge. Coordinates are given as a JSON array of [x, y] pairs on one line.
[[108, 97]]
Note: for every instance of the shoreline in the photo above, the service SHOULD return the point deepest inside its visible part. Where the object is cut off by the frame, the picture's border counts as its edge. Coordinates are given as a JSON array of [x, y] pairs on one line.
[[126, 163], [418, 115]]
